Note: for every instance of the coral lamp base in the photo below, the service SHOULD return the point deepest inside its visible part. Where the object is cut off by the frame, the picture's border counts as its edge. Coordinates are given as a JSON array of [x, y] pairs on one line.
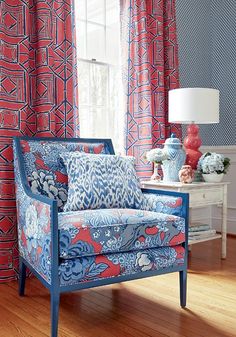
[[192, 142]]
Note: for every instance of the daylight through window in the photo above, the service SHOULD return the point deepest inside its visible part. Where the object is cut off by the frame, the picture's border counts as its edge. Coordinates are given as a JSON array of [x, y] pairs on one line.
[[99, 70]]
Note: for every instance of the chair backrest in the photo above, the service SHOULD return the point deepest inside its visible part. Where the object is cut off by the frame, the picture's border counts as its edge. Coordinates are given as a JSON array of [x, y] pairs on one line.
[[45, 171]]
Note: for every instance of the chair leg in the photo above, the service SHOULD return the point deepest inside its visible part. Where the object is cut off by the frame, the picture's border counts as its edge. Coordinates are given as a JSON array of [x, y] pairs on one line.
[[183, 287], [55, 300], [22, 277]]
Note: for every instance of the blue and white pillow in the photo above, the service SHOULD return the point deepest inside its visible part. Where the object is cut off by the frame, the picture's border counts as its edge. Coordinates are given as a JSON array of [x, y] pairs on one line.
[[101, 181]]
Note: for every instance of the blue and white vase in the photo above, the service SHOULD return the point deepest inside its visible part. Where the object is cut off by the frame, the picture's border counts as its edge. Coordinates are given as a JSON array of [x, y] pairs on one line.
[[177, 157]]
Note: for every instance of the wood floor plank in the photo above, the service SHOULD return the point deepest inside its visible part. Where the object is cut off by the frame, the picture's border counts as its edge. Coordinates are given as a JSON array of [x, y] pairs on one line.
[[141, 308], [13, 326]]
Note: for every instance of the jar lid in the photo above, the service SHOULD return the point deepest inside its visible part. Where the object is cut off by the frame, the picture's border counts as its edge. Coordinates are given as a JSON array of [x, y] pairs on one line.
[[173, 140]]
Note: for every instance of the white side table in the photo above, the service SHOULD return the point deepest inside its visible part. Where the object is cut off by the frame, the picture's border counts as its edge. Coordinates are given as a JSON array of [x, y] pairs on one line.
[[200, 195]]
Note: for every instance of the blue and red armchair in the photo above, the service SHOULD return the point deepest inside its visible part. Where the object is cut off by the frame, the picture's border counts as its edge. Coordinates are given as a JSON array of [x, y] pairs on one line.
[[70, 251]]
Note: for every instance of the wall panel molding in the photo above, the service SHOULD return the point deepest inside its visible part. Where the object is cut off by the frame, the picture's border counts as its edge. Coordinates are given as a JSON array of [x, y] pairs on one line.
[[203, 213]]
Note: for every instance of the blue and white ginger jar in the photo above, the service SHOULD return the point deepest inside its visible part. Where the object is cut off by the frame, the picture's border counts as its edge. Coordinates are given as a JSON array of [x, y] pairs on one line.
[[177, 157]]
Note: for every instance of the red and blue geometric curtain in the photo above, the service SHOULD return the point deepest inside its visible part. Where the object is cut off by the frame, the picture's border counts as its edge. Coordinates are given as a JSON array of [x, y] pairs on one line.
[[37, 95], [150, 69]]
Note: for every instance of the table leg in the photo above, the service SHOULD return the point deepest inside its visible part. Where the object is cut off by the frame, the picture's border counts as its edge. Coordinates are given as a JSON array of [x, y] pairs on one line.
[[224, 224], [210, 213]]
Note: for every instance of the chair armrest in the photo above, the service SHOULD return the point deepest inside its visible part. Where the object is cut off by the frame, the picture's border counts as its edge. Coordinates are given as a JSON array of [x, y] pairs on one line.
[[37, 224], [168, 202]]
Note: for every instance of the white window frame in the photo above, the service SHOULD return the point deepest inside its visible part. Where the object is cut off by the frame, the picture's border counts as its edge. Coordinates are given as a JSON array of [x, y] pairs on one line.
[[119, 147]]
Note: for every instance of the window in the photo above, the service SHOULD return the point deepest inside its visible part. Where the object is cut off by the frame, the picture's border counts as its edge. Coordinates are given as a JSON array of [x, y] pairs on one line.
[[99, 70]]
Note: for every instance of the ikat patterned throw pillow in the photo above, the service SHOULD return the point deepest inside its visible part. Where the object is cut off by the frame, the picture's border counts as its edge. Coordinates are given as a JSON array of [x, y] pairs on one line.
[[101, 181]]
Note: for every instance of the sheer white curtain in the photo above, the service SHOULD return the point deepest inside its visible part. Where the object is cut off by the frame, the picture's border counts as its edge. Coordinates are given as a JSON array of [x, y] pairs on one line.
[[101, 107]]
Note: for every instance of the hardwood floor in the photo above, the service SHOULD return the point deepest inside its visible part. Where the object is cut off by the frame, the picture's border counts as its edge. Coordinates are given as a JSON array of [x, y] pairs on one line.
[[148, 307]]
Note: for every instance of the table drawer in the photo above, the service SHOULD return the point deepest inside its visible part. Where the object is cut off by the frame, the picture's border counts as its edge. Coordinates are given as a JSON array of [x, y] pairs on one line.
[[206, 197]]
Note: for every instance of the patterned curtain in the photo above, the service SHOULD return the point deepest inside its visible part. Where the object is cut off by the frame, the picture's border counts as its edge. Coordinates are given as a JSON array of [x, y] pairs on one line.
[[150, 69], [38, 94]]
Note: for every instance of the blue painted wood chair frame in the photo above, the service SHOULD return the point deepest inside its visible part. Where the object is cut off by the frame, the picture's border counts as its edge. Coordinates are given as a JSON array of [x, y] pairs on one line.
[[54, 287]]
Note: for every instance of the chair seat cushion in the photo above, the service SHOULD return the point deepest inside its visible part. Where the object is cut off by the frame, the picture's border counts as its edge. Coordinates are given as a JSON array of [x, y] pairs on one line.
[[93, 232], [91, 268]]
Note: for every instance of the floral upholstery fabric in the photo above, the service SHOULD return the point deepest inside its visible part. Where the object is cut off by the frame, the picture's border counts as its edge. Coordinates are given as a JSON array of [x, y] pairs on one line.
[[101, 181], [162, 203], [93, 244], [34, 228], [45, 170], [92, 232], [92, 268]]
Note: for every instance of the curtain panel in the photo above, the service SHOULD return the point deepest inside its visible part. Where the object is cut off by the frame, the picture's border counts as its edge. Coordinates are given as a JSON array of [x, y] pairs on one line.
[[150, 69], [38, 94]]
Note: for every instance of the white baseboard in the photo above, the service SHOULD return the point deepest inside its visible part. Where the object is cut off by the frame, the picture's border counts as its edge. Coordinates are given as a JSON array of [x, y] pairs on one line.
[[231, 225]]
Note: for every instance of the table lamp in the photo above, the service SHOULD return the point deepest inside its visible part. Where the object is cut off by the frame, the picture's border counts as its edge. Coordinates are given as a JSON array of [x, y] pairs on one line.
[[191, 106]]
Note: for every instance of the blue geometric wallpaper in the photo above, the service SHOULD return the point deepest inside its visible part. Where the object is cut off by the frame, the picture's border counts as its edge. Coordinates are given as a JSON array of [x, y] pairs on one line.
[[207, 57]]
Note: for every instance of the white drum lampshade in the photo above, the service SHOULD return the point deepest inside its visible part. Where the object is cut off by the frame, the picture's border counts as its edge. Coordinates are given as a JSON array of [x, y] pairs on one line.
[[190, 106], [198, 105]]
